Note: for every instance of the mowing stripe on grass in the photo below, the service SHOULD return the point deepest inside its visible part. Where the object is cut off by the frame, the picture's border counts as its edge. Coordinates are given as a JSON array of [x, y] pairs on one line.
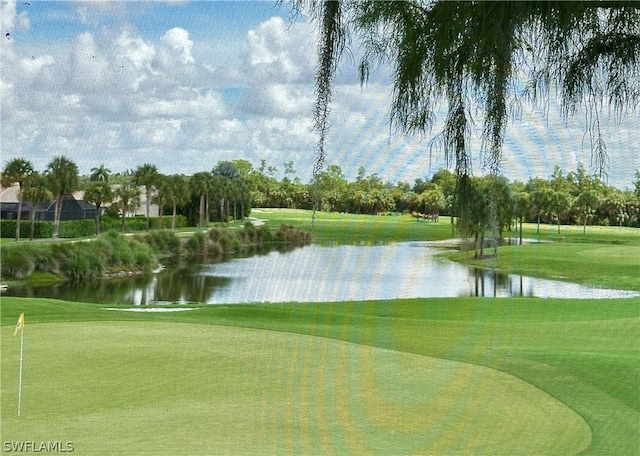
[[167, 388]]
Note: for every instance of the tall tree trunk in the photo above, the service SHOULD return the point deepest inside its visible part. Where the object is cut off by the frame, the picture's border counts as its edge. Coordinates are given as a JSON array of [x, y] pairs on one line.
[[207, 202], [56, 216], [475, 246], [201, 209], [19, 217], [173, 218], [520, 230], [97, 219], [148, 207], [32, 218]]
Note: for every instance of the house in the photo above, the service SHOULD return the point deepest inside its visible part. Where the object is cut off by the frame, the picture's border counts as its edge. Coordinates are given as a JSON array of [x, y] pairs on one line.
[[73, 208]]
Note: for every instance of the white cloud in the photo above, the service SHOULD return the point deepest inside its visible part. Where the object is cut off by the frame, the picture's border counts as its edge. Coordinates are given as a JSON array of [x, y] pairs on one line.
[[137, 51], [177, 48], [281, 52], [122, 96], [8, 18]]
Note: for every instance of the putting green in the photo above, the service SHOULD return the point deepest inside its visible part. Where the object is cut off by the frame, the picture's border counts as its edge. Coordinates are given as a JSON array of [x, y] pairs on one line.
[[171, 388]]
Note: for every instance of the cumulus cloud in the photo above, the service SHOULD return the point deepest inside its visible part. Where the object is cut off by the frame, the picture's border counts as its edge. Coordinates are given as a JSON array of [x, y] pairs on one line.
[[282, 52], [176, 48], [114, 94]]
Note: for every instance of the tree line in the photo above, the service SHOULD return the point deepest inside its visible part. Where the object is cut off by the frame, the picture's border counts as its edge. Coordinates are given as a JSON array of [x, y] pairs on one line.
[[232, 188]]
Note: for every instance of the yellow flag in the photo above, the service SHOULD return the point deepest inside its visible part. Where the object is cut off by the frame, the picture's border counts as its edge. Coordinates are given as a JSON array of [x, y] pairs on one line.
[[19, 325]]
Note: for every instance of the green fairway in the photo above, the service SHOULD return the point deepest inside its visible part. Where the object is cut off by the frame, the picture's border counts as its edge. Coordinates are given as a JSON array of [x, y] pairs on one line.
[[606, 257], [339, 228], [601, 265], [425, 376]]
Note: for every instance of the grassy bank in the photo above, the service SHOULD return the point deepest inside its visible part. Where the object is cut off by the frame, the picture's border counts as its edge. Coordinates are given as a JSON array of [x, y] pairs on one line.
[[607, 257], [340, 228], [425, 376], [112, 253], [601, 265]]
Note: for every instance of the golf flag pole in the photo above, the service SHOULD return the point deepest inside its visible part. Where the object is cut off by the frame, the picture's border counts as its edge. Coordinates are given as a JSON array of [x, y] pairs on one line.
[[20, 328]]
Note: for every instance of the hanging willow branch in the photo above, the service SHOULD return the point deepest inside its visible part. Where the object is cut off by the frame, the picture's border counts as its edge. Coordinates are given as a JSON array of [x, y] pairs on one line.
[[331, 43], [467, 56]]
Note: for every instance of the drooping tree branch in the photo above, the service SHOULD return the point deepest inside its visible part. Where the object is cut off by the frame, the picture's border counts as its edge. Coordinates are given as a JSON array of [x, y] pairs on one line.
[[332, 38], [469, 56]]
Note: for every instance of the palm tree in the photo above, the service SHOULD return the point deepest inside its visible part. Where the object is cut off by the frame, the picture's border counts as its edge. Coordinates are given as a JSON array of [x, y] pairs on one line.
[[98, 192], [177, 188], [17, 170], [200, 184], [37, 191], [62, 175], [128, 200], [161, 198], [148, 176], [100, 173]]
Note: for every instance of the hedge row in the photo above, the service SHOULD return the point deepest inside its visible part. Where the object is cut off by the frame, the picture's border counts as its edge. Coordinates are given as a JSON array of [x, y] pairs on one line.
[[41, 229], [77, 260], [81, 228]]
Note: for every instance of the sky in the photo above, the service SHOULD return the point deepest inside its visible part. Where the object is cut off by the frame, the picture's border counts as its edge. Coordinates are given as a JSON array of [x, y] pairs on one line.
[[185, 84]]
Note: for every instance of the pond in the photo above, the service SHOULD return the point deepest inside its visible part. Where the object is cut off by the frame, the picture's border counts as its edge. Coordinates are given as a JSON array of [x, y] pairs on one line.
[[318, 274]]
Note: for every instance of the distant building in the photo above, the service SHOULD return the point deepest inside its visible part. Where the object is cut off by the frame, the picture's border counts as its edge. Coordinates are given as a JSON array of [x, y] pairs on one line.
[[72, 207]]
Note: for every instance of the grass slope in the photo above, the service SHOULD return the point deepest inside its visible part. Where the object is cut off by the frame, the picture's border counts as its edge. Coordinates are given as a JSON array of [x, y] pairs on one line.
[[443, 376], [607, 257], [601, 265]]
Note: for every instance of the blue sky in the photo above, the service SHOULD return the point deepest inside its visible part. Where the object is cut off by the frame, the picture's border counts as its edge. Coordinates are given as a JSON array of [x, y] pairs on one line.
[[185, 84]]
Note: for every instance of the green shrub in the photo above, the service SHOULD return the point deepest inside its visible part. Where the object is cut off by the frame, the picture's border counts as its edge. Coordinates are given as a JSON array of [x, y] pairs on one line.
[[264, 234], [103, 248], [163, 241], [70, 229], [76, 267], [40, 230], [139, 223], [249, 232], [142, 256], [224, 237], [215, 250], [16, 263], [291, 235], [117, 249], [45, 260], [197, 243]]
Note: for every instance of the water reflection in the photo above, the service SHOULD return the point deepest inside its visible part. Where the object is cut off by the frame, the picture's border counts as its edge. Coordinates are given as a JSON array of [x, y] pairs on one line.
[[317, 274]]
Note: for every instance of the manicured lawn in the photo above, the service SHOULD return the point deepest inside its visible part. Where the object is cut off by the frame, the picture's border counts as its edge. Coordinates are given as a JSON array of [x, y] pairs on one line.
[[607, 257], [338, 228], [601, 265], [425, 376]]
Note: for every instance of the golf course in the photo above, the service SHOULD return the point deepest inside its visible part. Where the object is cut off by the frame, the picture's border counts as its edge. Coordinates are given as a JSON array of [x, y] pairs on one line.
[[437, 376]]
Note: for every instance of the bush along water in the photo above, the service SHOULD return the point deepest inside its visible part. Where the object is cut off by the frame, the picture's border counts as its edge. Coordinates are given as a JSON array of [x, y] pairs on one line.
[[112, 255], [107, 254], [221, 243]]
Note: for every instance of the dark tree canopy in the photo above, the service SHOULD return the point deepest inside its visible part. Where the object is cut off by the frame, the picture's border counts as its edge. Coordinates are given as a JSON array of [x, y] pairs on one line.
[[486, 57]]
